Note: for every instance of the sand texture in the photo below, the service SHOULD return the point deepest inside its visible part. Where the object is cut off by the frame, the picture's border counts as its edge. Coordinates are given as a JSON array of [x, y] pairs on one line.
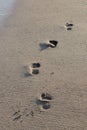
[[52, 94]]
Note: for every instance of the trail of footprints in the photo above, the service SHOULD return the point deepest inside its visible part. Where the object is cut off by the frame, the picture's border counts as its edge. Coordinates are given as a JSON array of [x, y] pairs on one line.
[[44, 100]]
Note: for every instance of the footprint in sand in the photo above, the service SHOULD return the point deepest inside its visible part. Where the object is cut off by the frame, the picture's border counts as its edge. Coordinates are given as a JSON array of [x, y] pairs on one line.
[[45, 97], [16, 115], [50, 43], [53, 43], [45, 106], [44, 101], [32, 69], [35, 65], [69, 26]]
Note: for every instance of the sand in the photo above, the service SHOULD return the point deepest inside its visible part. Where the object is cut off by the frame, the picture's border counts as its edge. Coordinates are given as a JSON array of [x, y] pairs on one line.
[[62, 71]]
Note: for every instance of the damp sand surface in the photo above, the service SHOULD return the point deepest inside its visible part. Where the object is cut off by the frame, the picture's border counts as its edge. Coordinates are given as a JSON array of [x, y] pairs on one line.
[[62, 70], [6, 7]]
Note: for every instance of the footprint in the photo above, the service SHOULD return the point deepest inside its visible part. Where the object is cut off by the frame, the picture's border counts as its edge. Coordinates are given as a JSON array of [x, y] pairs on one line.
[[69, 26], [27, 113], [45, 97], [35, 71], [50, 43], [16, 115], [45, 106], [35, 65], [32, 113], [44, 101], [17, 112], [32, 69], [53, 43]]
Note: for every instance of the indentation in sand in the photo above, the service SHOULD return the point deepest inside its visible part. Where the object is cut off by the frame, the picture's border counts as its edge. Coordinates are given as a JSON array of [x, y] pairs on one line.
[[50, 43], [44, 101], [69, 25], [32, 69]]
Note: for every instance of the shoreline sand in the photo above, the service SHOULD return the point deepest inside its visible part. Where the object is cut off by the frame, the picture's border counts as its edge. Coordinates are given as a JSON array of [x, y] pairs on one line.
[[62, 71], [6, 10]]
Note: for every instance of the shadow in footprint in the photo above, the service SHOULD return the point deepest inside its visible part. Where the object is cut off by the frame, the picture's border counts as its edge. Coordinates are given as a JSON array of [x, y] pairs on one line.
[[46, 106], [35, 71], [43, 104], [43, 46], [53, 43], [69, 26], [36, 65], [45, 97]]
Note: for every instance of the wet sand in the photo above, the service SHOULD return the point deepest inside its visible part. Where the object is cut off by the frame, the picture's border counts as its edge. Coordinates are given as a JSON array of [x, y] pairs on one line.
[[6, 7], [62, 70]]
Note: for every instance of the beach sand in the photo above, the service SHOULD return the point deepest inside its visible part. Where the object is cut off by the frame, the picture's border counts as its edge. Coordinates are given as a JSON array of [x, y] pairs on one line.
[[62, 71]]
